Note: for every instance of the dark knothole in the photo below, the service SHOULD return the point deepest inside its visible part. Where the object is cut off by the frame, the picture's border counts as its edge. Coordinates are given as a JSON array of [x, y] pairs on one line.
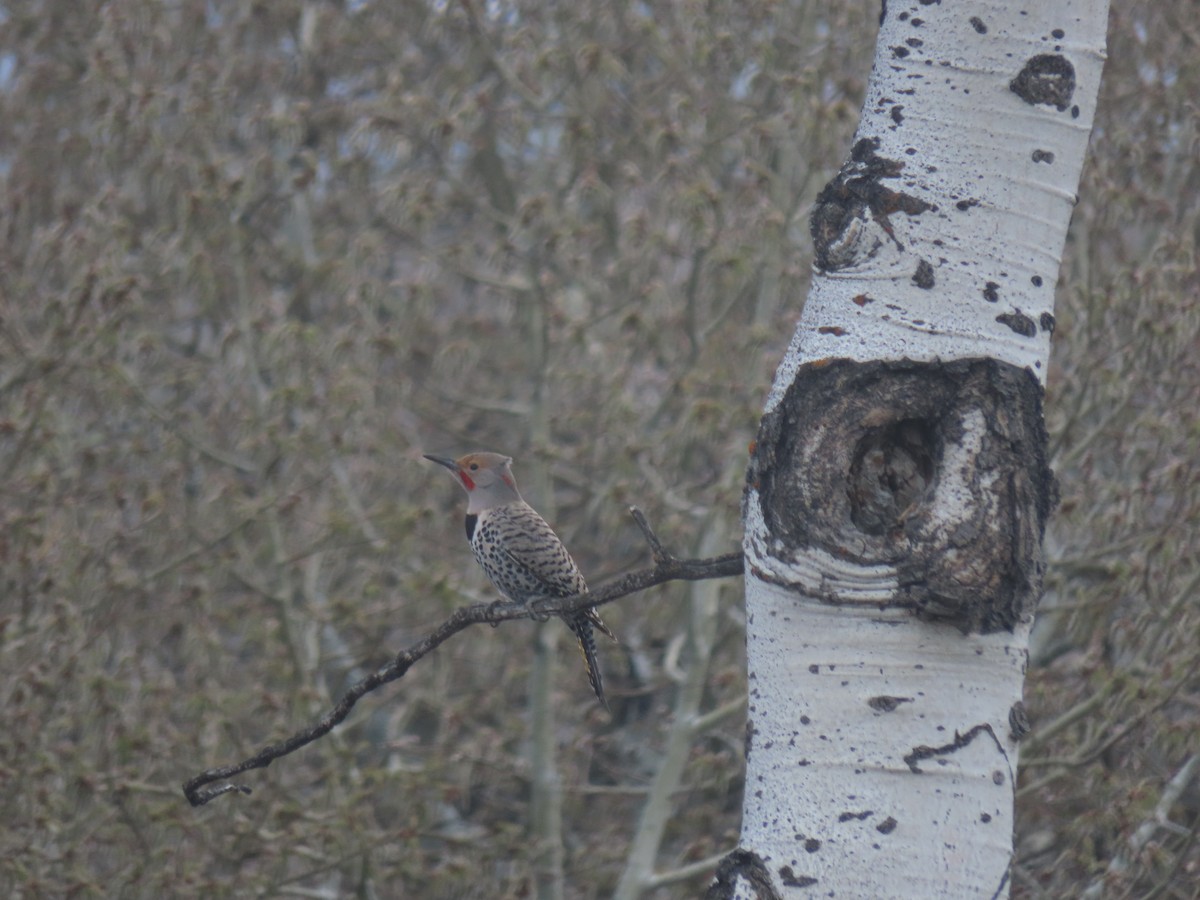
[[892, 471]]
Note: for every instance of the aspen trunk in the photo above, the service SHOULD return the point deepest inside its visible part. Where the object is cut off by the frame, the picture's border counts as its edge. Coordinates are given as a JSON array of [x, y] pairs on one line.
[[899, 486]]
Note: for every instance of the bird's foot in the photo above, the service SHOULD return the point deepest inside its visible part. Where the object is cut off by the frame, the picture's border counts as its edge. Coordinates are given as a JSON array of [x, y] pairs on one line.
[[491, 613], [535, 610]]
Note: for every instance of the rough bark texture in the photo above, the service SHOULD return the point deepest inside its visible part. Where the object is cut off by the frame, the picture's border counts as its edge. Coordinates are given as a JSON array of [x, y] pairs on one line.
[[746, 868], [864, 461]]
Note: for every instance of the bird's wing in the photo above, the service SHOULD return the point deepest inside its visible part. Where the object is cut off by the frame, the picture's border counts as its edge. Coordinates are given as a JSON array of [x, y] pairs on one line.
[[537, 550], [535, 547]]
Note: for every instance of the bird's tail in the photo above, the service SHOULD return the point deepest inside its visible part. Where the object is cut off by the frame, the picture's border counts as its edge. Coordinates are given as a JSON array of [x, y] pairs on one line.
[[594, 618], [581, 625]]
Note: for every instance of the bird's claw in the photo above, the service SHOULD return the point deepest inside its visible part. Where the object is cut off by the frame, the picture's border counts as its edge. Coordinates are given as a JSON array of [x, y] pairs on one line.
[[536, 612], [491, 613]]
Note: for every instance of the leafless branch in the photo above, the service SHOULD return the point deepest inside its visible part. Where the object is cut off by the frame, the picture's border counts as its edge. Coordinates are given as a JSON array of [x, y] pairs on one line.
[[666, 568]]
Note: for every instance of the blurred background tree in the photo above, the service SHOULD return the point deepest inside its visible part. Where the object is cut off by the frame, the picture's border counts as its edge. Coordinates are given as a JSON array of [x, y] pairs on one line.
[[258, 257]]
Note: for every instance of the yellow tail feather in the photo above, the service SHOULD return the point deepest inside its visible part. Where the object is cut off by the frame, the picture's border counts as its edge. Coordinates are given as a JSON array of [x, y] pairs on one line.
[[582, 626]]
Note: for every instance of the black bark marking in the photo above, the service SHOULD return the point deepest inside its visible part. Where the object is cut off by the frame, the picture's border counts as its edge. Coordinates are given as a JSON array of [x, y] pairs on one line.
[[1046, 320], [1018, 322], [885, 703], [791, 879], [745, 865], [1043, 156], [923, 277], [852, 202], [850, 462], [991, 292], [887, 826], [977, 24], [856, 816], [1048, 78], [960, 741]]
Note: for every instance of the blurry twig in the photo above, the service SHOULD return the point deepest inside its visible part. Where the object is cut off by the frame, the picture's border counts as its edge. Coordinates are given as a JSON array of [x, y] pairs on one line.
[[169, 421], [497, 61], [666, 568], [685, 872], [1159, 820], [354, 503]]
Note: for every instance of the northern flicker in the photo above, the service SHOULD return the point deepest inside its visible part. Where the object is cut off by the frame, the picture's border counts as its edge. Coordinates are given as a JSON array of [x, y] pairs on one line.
[[519, 552]]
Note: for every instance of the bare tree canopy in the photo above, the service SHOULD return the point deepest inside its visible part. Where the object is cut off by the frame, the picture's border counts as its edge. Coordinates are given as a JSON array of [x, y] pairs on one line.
[[258, 257]]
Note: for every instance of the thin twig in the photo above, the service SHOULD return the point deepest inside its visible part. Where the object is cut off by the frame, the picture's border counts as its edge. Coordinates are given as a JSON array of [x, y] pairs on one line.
[[176, 428], [656, 547], [1125, 859], [497, 60], [691, 870], [667, 569]]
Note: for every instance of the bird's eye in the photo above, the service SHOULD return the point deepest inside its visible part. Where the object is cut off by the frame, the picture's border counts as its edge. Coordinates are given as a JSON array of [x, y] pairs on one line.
[[474, 466]]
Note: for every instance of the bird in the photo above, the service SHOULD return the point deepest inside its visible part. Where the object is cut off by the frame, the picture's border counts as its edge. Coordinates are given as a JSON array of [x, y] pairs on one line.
[[518, 551]]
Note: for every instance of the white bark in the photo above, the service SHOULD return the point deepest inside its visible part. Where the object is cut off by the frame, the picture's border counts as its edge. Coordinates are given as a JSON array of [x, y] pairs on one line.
[[965, 138], [881, 759], [855, 778]]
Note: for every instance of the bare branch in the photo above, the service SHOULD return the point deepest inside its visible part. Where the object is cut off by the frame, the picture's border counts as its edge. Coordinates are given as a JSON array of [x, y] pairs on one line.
[[666, 568]]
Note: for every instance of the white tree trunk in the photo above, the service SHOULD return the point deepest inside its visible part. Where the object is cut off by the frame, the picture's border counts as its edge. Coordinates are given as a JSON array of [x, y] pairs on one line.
[[899, 488]]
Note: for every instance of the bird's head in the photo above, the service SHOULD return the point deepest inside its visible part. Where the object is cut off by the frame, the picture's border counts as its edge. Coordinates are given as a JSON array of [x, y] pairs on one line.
[[486, 477]]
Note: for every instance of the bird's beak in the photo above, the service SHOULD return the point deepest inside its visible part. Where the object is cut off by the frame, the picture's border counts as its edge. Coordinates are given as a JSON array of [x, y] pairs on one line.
[[443, 461]]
